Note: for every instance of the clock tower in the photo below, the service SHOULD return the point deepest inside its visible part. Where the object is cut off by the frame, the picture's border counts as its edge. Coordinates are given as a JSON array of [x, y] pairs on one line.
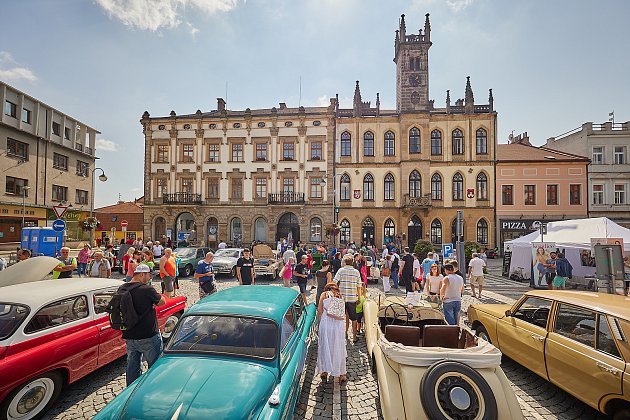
[[412, 68]]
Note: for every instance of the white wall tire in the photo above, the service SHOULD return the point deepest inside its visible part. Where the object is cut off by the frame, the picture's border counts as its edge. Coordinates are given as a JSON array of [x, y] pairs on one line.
[[32, 399]]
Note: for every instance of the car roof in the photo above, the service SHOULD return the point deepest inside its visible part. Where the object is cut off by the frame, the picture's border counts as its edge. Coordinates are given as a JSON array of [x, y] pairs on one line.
[[615, 305], [257, 301], [39, 293]]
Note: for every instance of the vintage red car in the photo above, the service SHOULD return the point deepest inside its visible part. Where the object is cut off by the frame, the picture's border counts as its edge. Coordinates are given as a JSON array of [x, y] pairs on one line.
[[54, 332]]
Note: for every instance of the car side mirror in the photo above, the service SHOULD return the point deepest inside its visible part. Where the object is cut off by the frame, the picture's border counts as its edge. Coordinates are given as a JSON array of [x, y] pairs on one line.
[[508, 313]]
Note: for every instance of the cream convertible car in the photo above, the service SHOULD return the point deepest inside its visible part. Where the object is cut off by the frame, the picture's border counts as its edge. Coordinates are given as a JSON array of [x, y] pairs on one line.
[[429, 370]]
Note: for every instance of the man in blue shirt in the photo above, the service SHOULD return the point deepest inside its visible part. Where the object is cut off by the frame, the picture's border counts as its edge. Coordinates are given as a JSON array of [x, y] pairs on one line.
[[426, 265], [205, 274], [564, 271]]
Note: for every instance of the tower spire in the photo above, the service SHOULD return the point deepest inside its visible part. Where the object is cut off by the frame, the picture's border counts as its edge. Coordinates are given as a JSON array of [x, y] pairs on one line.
[[448, 101], [357, 103], [491, 101], [427, 29], [469, 98], [403, 28]]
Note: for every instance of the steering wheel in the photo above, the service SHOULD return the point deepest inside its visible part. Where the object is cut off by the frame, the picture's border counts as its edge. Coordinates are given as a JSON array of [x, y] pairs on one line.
[[395, 314], [539, 311]]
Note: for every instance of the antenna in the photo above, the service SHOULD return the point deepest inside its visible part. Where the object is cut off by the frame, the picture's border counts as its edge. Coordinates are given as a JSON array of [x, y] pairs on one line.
[[226, 91], [300, 100]]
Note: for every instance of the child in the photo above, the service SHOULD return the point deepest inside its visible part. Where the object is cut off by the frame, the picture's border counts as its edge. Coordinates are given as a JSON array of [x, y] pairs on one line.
[[360, 309]]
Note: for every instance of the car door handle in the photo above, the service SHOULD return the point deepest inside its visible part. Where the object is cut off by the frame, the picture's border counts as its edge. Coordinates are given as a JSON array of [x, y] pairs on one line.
[[106, 327], [538, 337], [607, 368]]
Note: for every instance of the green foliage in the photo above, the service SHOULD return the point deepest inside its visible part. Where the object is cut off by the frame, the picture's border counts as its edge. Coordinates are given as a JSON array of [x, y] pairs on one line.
[[422, 248], [470, 247]]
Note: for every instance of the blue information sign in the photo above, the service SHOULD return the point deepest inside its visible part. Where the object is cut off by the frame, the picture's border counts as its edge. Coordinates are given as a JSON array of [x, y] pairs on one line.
[[58, 225], [447, 250]]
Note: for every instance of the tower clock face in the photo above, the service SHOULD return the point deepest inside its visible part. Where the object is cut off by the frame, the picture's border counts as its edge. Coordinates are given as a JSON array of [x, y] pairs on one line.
[[414, 79]]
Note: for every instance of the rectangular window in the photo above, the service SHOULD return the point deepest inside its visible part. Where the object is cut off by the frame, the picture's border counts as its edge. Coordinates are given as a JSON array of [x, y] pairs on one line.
[[213, 187], [59, 193], [213, 153], [162, 153], [620, 155], [575, 195], [83, 168], [507, 192], [605, 338], [530, 195], [188, 153], [237, 152], [316, 150], [82, 197], [10, 109], [288, 185], [60, 161], [17, 148], [261, 151], [187, 185], [162, 187], [288, 151], [27, 115], [56, 129], [237, 188], [261, 187], [598, 194], [598, 155], [16, 186], [576, 324], [552, 195], [620, 194], [66, 133], [316, 187]]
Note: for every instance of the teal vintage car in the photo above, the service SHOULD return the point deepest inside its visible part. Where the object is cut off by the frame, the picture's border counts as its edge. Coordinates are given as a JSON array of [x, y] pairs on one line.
[[237, 354]]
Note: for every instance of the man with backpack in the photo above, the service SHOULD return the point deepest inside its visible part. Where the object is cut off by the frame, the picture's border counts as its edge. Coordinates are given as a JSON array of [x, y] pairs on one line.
[[132, 310]]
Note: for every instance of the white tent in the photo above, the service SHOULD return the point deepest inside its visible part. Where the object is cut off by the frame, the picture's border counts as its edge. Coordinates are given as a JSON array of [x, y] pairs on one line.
[[570, 236]]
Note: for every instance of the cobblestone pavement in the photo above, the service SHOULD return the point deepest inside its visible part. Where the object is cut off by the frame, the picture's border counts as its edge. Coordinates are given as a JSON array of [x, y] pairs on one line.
[[355, 399]]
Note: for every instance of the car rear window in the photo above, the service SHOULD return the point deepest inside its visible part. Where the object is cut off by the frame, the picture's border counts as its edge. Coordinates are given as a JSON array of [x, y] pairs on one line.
[[230, 335], [11, 316]]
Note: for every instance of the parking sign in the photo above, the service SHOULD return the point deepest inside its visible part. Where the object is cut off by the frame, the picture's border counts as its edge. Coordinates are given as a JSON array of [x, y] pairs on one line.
[[447, 250]]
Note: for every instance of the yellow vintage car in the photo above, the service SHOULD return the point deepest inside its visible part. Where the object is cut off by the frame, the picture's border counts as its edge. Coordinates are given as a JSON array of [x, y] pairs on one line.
[[576, 340], [429, 370]]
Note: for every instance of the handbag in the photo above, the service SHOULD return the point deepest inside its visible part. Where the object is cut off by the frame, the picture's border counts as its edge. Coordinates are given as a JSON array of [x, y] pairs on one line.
[[386, 271], [336, 308]]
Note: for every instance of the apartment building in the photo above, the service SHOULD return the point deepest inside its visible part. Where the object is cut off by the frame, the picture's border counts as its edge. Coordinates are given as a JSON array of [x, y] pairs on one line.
[[46, 160]]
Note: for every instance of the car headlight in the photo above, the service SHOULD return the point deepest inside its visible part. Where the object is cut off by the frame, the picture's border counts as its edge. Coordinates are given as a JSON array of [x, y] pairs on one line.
[[171, 322]]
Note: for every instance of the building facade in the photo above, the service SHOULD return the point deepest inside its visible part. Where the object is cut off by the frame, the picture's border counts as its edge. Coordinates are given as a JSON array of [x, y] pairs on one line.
[[537, 185], [239, 176], [120, 222], [401, 175], [607, 146], [47, 160]]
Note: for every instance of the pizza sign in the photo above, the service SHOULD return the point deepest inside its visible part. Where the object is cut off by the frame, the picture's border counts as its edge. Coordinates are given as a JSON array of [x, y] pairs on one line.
[[357, 194], [470, 193]]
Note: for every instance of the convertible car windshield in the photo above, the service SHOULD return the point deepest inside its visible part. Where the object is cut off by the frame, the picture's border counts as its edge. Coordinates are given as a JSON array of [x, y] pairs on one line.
[[186, 252], [230, 253], [11, 316], [231, 335]]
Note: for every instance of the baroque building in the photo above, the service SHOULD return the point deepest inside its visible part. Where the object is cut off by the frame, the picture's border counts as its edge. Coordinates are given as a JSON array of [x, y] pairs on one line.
[[403, 174], [239, 176]]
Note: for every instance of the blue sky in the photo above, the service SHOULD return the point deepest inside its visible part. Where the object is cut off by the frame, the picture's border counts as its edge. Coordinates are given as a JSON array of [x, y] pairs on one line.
[[552, 65]]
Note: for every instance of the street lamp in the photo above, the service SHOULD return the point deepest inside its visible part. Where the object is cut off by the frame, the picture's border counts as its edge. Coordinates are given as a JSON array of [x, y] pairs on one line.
[[335, 214], [24, 191], [102, 177]]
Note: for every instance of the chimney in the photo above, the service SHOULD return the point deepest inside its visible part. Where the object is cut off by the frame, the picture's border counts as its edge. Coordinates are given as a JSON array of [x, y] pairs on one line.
[[283, 105], [220, 104]]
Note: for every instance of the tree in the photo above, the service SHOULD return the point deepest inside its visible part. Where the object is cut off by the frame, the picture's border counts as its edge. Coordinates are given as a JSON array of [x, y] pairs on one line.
[[422, 248], [469, 248]]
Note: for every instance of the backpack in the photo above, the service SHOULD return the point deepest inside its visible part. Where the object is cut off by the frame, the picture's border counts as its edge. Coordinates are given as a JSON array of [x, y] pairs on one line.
[[122, 314]]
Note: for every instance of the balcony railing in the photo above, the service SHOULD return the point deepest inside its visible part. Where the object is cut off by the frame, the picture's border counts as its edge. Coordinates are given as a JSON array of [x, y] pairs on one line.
[[286, 198], [78, 146], [182, 198], [418, 202]]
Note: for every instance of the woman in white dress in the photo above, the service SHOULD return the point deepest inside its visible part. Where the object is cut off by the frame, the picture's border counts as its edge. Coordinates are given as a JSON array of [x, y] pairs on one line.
[[331, 344]]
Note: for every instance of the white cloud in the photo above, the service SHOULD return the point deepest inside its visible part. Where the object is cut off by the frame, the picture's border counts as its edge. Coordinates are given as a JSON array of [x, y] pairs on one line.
[[11, 70], [135, 189], [323, 101], [192, 30], [106, 145], [458, 5], [155, 14]]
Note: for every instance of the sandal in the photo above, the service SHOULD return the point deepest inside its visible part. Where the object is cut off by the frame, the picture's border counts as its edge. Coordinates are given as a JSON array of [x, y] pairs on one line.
[[342, 379], [324, 376]]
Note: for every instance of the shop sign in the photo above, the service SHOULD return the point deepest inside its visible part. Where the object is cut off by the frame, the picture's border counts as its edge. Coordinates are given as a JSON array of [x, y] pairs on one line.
[[521, 225]]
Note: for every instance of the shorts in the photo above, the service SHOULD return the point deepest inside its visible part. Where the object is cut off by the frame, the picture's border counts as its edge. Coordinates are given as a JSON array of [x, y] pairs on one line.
[[302, 287], [360, 317], [351, 311], [559, 281], [476, 280], [167, 282]]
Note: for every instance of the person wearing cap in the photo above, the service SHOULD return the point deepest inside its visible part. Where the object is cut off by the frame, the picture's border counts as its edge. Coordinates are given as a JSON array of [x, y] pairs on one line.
[[143, 339], [205, 274]]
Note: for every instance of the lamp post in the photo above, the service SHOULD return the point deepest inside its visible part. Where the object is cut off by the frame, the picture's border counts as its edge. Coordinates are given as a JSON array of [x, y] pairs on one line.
[[24, 191], [102, 177], [335, 214]]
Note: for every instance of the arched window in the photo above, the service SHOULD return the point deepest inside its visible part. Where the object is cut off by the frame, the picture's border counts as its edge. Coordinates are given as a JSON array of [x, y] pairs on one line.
[[436, 187], [160, 229], [414, 140], [344, 231], [368, 187], [458, 187], [344, 187], [368, 144], [482, 186], [482, 231], [316, 229], [415, 185], [389, 193], [458, 142], [389, 232], [436, 232], [236, 231], [482, 142], [436, 143], [260, 230], [346, 142], [389, 144]]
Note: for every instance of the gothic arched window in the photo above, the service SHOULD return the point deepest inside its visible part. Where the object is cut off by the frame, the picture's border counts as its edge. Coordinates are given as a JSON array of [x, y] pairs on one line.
[[346, 144], [415, 185], [482, 142], [368, 187], [344, 187], [458, 187], [482, 186], [389, 143], [436, 143], [388, 190], [458, 142], [414, 140], [368, 144]]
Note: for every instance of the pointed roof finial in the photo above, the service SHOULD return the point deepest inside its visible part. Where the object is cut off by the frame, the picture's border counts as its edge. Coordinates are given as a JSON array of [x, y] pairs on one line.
[[448, 101], [357, 104], [403, 28], [469, 93], [491, 101], [427, 29]]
